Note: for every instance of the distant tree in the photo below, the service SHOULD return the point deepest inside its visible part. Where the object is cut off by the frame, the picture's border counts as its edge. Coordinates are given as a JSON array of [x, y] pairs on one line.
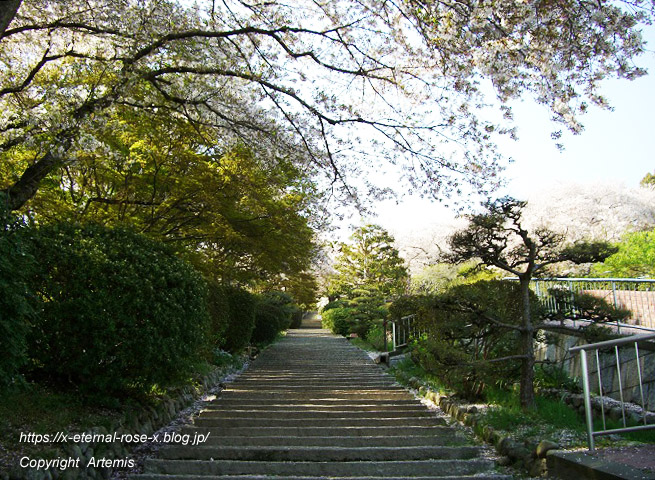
[[498, 237], [635, 257], [648, 180], [370, 262]]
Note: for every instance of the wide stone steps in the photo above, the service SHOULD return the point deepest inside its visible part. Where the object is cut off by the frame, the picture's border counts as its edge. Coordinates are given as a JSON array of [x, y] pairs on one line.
[[328, 430], [335, 441], [318, 454], [379, 469], [313, 406], [147, 476], [315, 414]]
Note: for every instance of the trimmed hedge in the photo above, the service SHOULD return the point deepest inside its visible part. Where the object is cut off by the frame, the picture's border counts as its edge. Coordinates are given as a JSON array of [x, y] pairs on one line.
[[120, 312]]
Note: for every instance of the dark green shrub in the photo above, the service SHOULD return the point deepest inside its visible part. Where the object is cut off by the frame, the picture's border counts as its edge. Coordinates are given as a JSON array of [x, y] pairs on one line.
[[16, 299], [120, 313], [242, 318], [296, 318], [219, 313], [407, 305], [272, 315], [376, 337]]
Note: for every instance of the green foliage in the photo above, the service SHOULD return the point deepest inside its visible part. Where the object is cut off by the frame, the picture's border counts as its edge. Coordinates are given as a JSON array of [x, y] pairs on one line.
[[296, 318], [585, 305], [635, 258], [16, 299], [467, 326], [243, 220], [219, 313], [407, 305], [242, 306], [119, 311], [335, 304], [550, 375], [375, 337], [648, 180], [370, 262], [338, 320], [272, 315]]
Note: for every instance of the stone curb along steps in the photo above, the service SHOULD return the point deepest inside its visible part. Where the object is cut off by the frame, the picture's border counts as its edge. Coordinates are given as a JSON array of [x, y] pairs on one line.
[[313, 406], [531, 458], [144, 421]]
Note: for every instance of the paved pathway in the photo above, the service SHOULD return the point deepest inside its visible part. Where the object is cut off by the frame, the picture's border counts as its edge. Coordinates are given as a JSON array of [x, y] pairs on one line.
[[313, 406]]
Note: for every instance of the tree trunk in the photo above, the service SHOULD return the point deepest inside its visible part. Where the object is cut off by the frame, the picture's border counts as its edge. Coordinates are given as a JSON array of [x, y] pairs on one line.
[[25, 188], [8, 10], [527, 348]]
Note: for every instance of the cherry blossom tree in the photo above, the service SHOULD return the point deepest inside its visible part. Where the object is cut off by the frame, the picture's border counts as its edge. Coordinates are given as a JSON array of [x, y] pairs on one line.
[[340, 86]]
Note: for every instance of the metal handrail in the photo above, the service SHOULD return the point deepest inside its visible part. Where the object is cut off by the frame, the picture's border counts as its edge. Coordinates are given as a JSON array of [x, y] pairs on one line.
[[596, 347], [635, 294], [402, 330]]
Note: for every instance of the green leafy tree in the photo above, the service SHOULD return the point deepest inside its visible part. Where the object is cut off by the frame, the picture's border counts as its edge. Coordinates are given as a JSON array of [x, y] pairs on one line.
[[648, 180], [499, 238], [635, 257], [243, 220], [306, 77], [370, 262]]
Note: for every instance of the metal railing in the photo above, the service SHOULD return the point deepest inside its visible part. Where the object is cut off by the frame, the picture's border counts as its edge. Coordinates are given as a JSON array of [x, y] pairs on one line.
[[403, 330], [634, 294], [610, 345]]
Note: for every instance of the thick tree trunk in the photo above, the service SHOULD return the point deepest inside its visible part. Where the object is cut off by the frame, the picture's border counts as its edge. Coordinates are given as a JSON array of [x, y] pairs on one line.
[[8, 10], [527, 348], [25, 188]]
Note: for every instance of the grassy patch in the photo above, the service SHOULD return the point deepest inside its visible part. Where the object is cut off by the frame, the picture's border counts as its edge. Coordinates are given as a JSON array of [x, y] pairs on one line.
[[406, 369], [41, 408], [551, 419]]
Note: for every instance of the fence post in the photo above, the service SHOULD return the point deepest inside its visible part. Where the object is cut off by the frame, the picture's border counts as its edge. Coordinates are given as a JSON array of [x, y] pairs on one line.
[[587, 399]]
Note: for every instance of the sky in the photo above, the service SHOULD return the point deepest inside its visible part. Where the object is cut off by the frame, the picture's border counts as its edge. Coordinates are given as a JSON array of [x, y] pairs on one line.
[[616, 147]]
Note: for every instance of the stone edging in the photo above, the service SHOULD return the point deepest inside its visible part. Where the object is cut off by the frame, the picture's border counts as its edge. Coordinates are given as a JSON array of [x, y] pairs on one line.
[[530, 457], [145, 422]]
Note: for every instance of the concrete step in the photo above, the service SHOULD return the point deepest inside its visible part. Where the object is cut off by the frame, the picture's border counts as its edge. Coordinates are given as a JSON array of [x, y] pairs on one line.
[[327, 431], [285, 409], [322, 402], [219, 421], [378, 469], [322, 395], [154, 476], [317, 454], [305, 413], [448, 438]]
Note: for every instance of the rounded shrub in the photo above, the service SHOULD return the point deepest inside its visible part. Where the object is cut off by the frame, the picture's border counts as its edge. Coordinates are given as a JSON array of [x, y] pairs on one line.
[[120, 312], [16, 305], [338, 320], [241, 320]]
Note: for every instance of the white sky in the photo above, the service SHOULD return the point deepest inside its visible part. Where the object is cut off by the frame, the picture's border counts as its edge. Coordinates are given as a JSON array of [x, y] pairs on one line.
[[616, 147]]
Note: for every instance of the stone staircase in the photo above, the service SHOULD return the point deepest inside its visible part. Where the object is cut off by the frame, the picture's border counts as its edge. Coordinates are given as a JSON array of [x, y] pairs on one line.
[[313, 406]]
